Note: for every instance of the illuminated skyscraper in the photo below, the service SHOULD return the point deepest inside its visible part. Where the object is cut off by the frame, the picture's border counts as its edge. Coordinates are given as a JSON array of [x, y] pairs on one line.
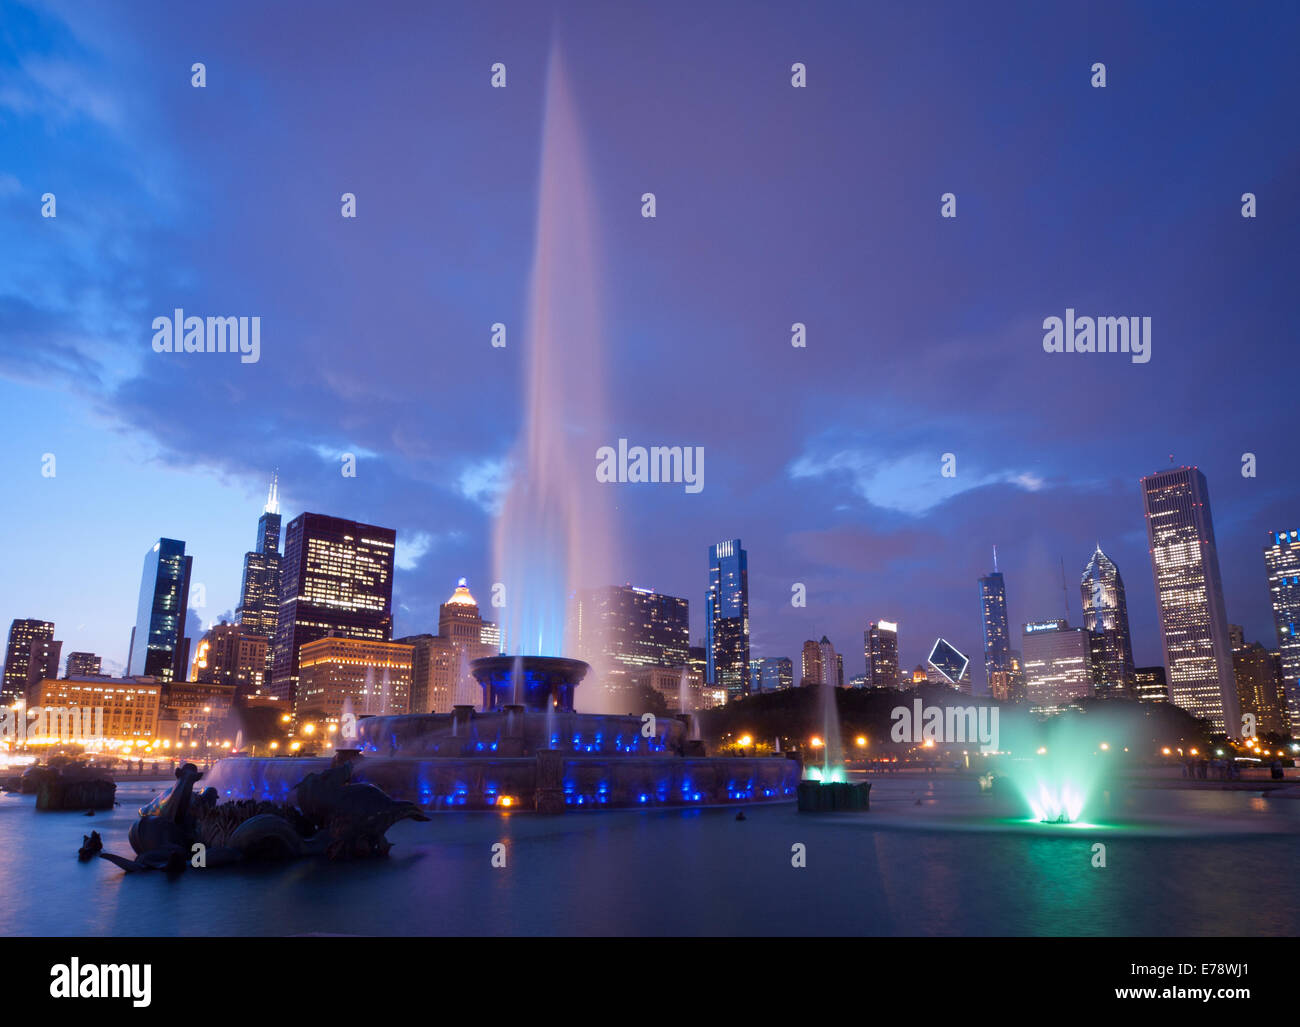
[[18, 658], [259, 598], [336, 576], [1282, 558], [159, 648], [629, 628], [775, 673], [997, 629], [1189, 596], [81, 665], [1058, 664], [810, 664], [1105, 617], [881, 639], [951, 664], [726, 618], [1259, 688]]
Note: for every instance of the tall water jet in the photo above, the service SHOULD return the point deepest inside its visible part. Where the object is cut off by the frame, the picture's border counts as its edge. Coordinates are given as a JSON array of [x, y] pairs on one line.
[[553, 534], [684, 692], [832, 744]]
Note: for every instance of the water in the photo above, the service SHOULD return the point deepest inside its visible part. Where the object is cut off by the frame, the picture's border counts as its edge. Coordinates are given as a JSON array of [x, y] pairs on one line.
[[553, 534], [902, 869]]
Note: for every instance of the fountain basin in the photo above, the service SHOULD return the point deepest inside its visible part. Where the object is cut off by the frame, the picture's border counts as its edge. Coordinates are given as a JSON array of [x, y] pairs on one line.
[[547, 782]]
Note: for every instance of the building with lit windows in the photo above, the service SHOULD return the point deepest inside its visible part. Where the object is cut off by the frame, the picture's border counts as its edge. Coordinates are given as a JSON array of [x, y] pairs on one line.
[[336, 577], [1189, 596], [1282, 560], [881, 651], [19, 668], [997, 628], [159, 647], [1105, 617], [375, 675], [726, 618], [123, 709], [259, 596], [625, 629], [1149, 684], [810, 664], [1058, 664], [193, 713], [229, 655], [1260, 688], [775, 673], [82, 665]]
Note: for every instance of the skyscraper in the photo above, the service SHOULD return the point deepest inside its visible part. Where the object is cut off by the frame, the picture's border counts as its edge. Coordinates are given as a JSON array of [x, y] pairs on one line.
[[1105, 617], [629, 628], [159, 647], [1259, 688], [951, 664], [259, 598], [18, 656], [1189, 596], [881, 639], [997, 628], [336, 576], [810, 664], [775, 673], [726, 618], [1058, 664], [1282, 559], [82, 665]]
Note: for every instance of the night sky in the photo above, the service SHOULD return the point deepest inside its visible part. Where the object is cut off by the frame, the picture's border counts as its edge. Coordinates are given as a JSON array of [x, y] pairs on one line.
[[775, 205]]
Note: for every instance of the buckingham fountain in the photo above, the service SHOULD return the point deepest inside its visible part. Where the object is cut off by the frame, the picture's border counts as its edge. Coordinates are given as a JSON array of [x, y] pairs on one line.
[[522, 744]]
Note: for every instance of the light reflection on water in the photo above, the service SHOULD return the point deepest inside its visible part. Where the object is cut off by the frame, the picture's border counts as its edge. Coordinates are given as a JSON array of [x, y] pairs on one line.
[[1179, 862]]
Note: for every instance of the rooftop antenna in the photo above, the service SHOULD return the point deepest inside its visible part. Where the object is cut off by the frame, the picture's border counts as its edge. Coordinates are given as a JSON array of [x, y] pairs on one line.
[[995, 559], [273, 496], [1066, 589]]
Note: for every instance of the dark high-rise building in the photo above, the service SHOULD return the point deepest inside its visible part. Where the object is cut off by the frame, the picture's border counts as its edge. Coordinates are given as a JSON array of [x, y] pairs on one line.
[[775, 673], [23, 634], [881, 639], [1189, 596], [632, 628], [1149, 684], [997, 628], [1105, 618], [1259, 688], [259, 596], [82, 665], [726, 618], [810, 664], [159, 648], [1282, 558], [336, 577], [951, 663], [1057, 664], [229, 655]]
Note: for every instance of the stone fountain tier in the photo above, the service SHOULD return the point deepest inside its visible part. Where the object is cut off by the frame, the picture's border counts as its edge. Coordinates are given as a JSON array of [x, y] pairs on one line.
[[550, 782], [515, 731], [548, 680]]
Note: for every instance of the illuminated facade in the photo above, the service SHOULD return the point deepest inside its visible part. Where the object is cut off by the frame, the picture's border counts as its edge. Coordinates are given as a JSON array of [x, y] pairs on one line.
[[375, 675], [336, 576], [1189, 596], [230, 655], [997, 627], [130, 706], [1282, 559], [810, 665], [881, 645], [194, 712], [18, 658], [1260, 688], [259, 596], [632, 628], [1105, 617], [726, 618], [1057, 662], [159, 647]]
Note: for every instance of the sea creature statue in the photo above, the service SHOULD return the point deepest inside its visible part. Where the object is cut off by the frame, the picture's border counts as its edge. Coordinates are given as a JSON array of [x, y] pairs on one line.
[[330, 815]]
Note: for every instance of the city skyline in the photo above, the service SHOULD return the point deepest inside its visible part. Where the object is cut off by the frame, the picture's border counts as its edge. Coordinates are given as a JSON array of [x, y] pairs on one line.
[[846, 499]]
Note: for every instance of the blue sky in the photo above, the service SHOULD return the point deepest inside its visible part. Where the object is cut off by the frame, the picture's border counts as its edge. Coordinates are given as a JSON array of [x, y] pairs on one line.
[[775, 205]]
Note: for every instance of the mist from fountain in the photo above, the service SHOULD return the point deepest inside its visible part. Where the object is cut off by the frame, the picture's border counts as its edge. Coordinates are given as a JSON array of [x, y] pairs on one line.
[[553, 534], [832, 768]]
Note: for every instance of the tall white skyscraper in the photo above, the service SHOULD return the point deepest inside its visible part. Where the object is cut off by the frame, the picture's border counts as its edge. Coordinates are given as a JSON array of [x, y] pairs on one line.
[[1189, 596]]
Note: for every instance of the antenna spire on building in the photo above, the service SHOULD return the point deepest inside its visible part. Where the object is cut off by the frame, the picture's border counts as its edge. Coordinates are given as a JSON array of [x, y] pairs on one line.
[[273, 495], [995, 559]]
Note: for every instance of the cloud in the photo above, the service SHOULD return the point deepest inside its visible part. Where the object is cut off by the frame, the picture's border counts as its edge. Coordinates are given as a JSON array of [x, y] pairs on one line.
[[910, 484], [485, 483]]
